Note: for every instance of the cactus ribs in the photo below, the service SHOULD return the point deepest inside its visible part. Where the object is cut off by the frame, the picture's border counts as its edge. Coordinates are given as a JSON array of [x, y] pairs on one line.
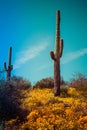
[[56, 56]]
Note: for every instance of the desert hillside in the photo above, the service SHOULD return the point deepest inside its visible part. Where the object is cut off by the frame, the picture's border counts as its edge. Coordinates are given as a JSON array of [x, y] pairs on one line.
[[38, 109]]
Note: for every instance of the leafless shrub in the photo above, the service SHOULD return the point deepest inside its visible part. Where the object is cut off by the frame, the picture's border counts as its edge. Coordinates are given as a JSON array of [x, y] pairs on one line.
[[79, 81]]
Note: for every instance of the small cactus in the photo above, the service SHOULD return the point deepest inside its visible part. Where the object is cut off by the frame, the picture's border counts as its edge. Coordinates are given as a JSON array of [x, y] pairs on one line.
[[10, 67], [57, 55]]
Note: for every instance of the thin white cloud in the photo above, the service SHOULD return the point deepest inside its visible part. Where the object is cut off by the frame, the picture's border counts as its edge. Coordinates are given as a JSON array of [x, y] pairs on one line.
[[29, 54], [68, 57], [73, 55], [45, 66], [34, 51]]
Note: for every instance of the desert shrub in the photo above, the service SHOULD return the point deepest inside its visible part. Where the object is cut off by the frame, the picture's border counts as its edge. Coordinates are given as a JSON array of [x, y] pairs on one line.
[[20, 82], [79, 81], [11, 98], [63, 82], [64, 91], [9, 102], [2, 78], [47, 83], [2, 82]]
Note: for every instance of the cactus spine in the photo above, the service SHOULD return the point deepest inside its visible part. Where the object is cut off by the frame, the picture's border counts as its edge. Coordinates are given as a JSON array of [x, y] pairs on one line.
[[10, 67], [57, 55]]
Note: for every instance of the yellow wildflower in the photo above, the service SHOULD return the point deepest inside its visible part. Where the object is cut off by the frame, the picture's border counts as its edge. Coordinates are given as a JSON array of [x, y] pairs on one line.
[[83, 119], [69, 112], [32, 114], [39, 128]]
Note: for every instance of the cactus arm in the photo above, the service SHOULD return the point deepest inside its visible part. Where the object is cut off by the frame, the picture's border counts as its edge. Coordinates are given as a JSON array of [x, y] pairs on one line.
[[5, 68], [52, 55], [61, 47]]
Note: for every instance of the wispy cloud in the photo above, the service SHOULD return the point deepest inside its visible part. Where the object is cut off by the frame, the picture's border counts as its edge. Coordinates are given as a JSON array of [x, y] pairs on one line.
[[68, 57], [49, 64], [73, 55], [34, 51], [29, 54]]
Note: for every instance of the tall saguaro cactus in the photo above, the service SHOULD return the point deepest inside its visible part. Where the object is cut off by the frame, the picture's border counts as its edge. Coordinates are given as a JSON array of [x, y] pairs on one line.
[[57, 55], [10, 67]]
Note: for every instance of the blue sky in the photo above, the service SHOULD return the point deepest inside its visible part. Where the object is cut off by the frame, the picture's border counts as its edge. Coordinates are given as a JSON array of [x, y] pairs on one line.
[[29, 26]]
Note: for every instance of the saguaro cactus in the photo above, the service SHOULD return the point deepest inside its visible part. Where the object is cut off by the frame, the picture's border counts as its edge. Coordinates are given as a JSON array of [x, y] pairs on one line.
[[57, 55], [10, 67]]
